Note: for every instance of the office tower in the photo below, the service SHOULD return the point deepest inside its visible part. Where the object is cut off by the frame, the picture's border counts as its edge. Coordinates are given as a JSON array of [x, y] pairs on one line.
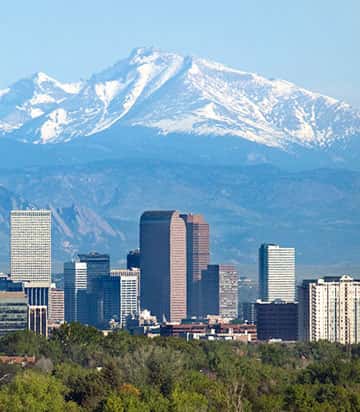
[[133, 259], [7, 285], [37, 293], [13, 311], [97, 265], [247, 312], [247, 296], [37, 320], [197, 259], [75, 284], [277, 320], [30, 245], [129, 281], [163, 264], [276, 273], [219, 291], [56, 306], [329, 309]]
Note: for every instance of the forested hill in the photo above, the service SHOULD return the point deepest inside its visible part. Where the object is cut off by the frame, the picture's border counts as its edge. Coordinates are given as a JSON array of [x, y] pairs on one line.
[[78, 369]]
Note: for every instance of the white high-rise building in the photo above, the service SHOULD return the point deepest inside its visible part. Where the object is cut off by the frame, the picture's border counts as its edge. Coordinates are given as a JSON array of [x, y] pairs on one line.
[[329, 309], [75, 285], [30, 245], [129, 292], [276, 273]]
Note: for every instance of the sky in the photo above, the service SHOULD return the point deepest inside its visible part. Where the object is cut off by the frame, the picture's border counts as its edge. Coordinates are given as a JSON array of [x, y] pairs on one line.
[[313, 43]]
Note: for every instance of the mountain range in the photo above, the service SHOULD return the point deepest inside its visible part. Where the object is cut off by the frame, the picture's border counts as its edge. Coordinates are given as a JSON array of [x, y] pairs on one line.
[[262, 159], [175, 94]]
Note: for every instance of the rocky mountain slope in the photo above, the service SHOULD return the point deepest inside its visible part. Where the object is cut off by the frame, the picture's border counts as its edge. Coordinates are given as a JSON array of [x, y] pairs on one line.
[[98, 207]]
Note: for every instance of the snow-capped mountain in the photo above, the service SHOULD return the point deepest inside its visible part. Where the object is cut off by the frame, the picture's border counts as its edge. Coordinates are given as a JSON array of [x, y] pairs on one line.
[[175, 94]]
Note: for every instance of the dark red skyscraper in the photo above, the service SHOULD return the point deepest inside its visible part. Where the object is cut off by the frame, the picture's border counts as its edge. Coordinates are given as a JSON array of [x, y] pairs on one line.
[[198, 256]]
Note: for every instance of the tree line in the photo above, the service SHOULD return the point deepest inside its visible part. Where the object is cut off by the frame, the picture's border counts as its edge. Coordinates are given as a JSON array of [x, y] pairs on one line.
[[80, 369]]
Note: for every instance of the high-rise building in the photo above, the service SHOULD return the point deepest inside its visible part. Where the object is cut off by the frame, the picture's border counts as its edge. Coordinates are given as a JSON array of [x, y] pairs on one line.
[[219, 291], [38, 320], [277, 320], [133, 259], [30, 245], [247, 312], [75, 283], [329, 309], [37, 293], [98, 265], [13, 311], [163, 264], [129, 293], [197, 259], [276, 273], [56, 306]]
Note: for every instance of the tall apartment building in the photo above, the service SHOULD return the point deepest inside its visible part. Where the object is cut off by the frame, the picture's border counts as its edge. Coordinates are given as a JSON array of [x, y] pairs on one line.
[[329, 309], [219, 291], [56, 307], [129, 282], [75, 286], [197, 258], [163, 264], [30, 245], [276, 273]]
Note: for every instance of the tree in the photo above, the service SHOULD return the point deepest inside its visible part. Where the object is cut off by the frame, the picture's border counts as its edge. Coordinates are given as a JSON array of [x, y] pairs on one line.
[[34, 392]]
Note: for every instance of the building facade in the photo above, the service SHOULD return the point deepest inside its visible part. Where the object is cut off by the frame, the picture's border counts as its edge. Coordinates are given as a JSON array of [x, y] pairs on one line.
[[133, 259], [276, 273], [75, 287], [129, 293], [38, 320], [219, 291], [97, 264], [277, 320], [13, 311], [56, 306], [30, 245], [163, 264], [329, 309], [37, 293], [197, 258]]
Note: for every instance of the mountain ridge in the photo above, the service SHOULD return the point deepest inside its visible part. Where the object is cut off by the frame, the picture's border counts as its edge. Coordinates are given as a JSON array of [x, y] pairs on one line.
[[171, 93]]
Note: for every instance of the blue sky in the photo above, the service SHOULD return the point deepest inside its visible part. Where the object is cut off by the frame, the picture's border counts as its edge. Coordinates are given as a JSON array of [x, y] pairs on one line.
[[312, 43]]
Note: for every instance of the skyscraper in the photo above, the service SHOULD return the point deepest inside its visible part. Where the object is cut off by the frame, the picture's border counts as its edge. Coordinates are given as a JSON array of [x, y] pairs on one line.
[[133, 259], [75, 283], [276, 273], [97, 265], [56, 307], [163, 264], [129, 293], [329, 309], [197, 258], [30, 245], [219, 291]]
